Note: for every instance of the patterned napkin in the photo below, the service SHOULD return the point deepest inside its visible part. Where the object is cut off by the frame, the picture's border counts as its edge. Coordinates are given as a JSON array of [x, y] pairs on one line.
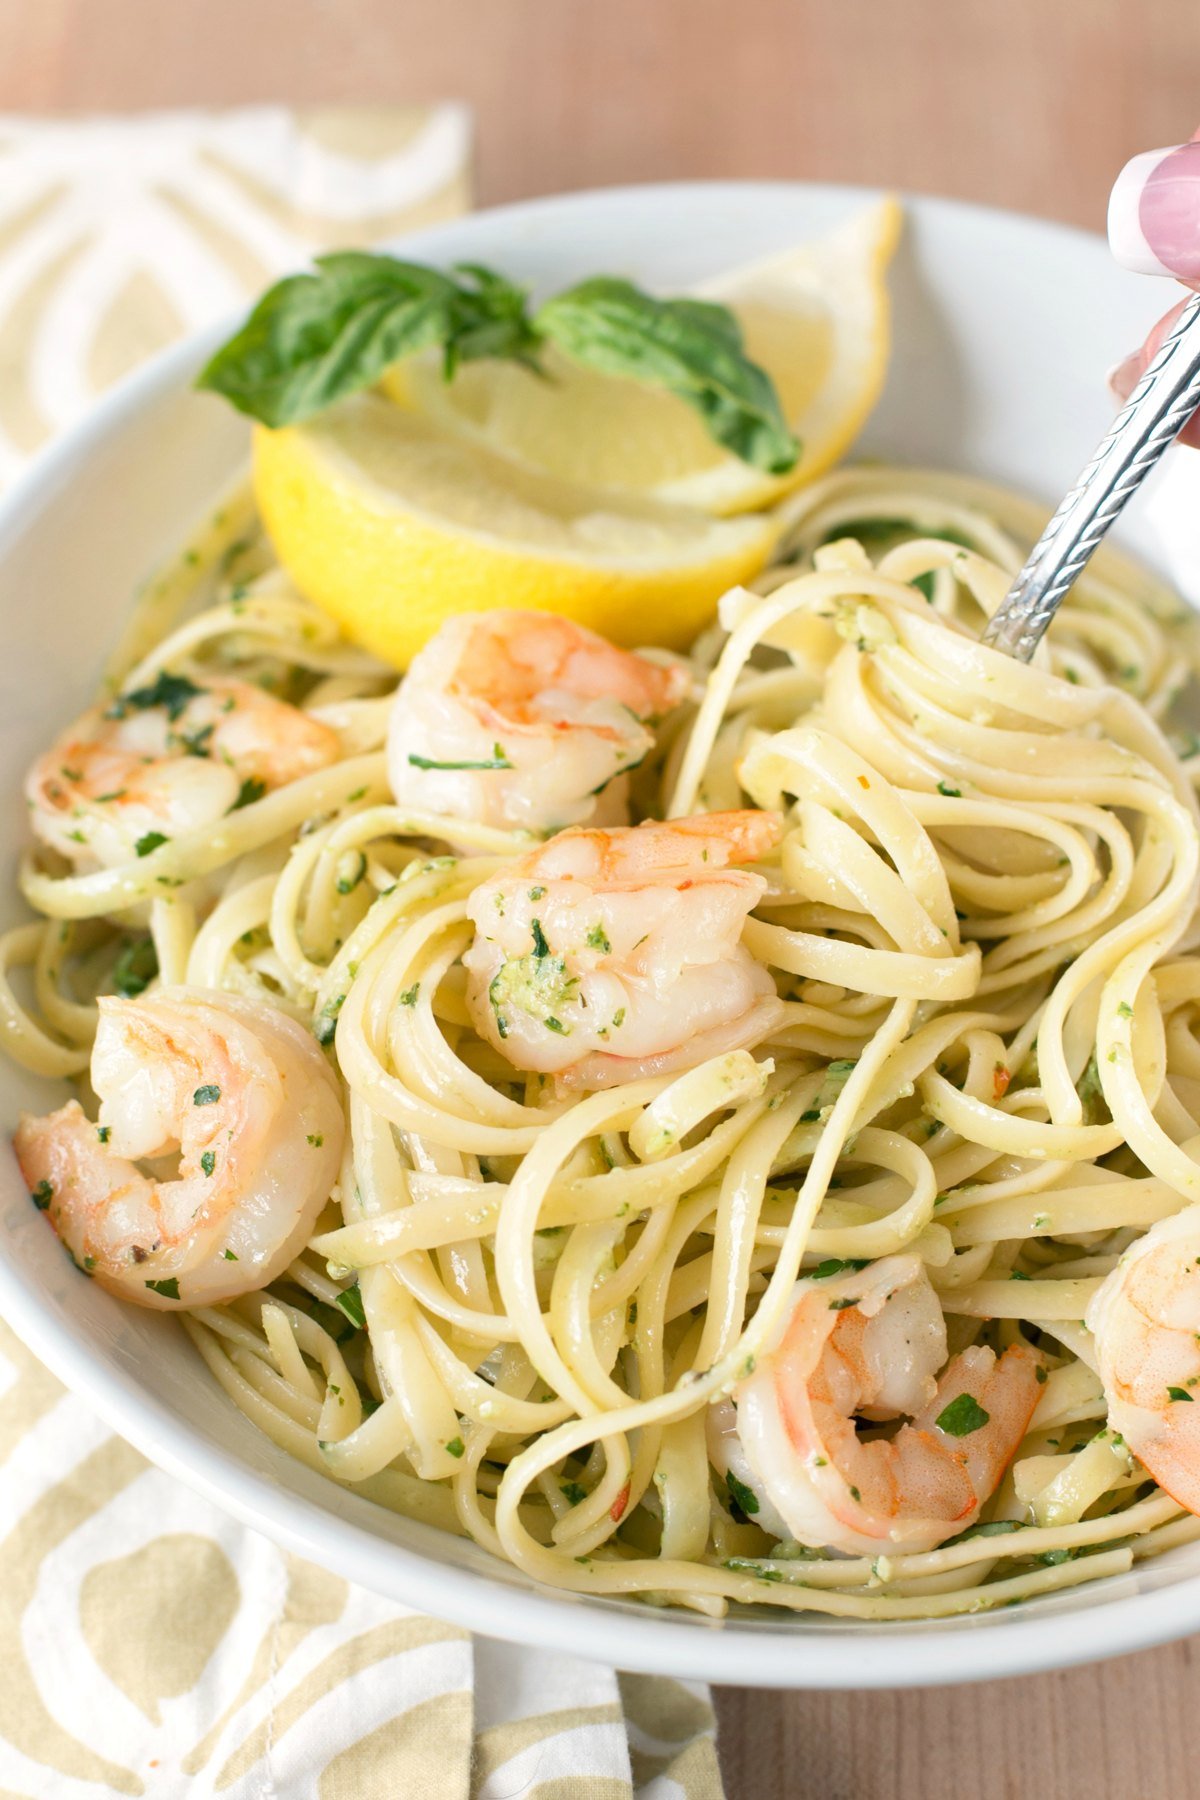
[[148, 1644]]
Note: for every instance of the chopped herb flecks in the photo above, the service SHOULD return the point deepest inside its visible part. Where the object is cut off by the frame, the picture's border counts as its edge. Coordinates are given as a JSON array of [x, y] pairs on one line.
[[497, 760], [350, 1302], [835, 1265], [172, 691], [963, 1416], [351, 869], [252, 789], [325, 1023], [537, 984], [744, 1498]]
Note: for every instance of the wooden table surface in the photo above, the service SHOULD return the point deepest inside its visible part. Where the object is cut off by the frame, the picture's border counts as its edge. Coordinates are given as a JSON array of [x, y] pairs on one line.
[[1032, 104]]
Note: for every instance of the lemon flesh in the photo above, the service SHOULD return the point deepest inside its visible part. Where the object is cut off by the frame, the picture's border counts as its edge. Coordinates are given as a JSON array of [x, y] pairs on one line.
[[393, 525], [815, 317]]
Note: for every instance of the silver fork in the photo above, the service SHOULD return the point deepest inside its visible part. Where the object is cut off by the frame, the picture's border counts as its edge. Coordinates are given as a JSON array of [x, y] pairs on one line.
[[1153, 416]]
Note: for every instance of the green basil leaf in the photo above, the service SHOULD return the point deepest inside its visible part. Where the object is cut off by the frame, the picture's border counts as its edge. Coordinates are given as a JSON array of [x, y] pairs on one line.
[[499, 325], [314, 338], [691, 348]]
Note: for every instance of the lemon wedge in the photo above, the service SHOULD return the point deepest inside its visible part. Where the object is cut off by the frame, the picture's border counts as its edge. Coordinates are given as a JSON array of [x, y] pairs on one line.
[[815, 317], [393, 525]]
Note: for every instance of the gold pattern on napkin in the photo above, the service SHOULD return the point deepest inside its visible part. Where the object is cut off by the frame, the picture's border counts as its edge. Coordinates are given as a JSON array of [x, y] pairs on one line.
[[118, 235], [149, 1645]]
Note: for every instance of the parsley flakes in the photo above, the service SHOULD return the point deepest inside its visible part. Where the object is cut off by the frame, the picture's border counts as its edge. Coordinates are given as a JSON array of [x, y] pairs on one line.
[[963, 1416], [497, 760], [835, 1265], [349, 1301], [325, 1023], [174, 692], [744, 1498], [252, 789]]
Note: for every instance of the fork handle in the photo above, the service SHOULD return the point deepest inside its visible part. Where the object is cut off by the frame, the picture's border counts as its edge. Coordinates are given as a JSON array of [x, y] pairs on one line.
[[1151, 419]]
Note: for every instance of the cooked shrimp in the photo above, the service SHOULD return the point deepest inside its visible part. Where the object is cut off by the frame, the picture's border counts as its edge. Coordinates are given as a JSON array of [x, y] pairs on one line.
[[604, 955], [523, 719], [166, 759], [870, 1343], [1146, 1321], [243, 1095]]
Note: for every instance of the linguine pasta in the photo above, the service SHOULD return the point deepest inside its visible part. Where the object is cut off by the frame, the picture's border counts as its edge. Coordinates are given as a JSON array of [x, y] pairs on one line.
[[521, 1305]]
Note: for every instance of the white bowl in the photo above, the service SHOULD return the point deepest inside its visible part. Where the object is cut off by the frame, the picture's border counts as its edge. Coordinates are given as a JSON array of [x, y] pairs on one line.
[[1003, 329]]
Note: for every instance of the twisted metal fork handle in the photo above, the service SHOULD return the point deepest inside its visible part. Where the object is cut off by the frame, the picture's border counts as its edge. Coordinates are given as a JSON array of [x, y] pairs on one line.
[[1154, 415]]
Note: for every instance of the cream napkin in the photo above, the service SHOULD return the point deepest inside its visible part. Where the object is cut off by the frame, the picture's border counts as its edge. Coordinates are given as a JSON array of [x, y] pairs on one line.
[[148, 1644]]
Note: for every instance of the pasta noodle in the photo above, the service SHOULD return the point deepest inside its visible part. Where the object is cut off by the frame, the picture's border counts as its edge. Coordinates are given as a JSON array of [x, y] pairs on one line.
[[521, 1303]]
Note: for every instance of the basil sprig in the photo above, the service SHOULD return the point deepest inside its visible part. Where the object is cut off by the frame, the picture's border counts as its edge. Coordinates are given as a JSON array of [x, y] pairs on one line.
[[314, 338], [692, 348]]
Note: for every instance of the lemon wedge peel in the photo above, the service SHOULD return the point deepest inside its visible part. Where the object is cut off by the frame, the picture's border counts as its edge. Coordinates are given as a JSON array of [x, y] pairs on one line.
[[392, 525]]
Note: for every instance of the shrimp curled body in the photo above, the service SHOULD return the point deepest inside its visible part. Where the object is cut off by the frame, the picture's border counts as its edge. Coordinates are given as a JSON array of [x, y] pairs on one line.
[[167, 759], [525, 720], [1145, 1318], [243, 1095], [605, 955], [870, 1343]]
